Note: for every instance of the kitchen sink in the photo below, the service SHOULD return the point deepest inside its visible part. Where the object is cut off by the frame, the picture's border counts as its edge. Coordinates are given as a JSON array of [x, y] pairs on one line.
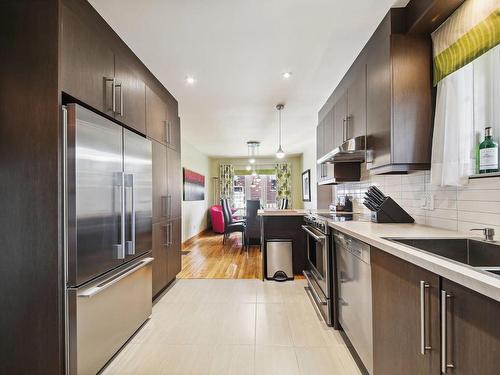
[[481, 254]]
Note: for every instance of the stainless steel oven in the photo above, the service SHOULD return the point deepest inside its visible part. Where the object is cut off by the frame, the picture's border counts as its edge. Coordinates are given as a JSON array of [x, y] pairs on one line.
[[319, 274]]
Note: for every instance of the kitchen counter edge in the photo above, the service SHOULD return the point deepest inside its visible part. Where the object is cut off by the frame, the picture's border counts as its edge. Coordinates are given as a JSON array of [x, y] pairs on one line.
[[374, 234]]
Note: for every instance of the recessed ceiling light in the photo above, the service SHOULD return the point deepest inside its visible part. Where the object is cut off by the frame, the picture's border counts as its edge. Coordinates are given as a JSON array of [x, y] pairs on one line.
[[190, 80], [286, 75]]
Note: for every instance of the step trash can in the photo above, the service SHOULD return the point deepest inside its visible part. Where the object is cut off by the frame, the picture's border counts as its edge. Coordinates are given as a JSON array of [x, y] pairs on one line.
[[279, 260]]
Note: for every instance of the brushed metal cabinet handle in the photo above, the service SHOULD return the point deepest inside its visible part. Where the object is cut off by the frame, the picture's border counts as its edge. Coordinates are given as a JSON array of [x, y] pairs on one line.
[[423, 347], [344, 120], [444, 330], [120, 86]]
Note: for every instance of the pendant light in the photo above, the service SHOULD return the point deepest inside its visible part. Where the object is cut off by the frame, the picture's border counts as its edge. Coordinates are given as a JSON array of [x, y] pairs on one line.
[[252, 148], [280, 154]]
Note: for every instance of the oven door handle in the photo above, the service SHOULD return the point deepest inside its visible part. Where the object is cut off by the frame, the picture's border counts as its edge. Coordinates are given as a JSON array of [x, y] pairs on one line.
[[312, 234], [315, 294]]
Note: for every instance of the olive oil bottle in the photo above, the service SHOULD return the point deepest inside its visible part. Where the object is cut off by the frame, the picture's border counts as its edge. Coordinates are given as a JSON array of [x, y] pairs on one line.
[[488, 153]]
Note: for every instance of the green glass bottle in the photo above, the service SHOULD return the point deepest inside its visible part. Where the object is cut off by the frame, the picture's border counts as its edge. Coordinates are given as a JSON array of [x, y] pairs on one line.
[[488, 153]]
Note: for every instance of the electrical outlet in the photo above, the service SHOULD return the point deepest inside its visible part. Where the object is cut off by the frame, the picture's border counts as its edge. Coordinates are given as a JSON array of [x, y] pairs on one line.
[[427, 202]]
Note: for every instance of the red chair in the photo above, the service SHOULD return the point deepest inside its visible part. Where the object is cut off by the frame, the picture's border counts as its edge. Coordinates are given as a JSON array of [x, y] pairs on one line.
[[217, 218]]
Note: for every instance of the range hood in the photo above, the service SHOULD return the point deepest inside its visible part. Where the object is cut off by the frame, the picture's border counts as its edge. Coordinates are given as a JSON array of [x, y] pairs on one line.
[[351, 151]]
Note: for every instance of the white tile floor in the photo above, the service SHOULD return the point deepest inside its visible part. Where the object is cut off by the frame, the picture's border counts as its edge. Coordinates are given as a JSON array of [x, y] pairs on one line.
[[240, 327]]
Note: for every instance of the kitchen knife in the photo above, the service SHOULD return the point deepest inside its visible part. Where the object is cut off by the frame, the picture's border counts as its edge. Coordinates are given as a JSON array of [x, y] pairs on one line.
[[369, 206], [373, 197], [378, 191]]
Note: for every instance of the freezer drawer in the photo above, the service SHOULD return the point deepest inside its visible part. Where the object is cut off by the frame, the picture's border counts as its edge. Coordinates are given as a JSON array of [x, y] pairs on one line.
[[103, 315]]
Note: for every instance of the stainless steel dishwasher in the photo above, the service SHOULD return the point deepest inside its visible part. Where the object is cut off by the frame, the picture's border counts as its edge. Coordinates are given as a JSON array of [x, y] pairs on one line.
[[355, 295]]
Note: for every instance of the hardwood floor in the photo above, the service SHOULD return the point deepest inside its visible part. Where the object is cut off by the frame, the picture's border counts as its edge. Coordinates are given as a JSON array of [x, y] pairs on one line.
[[207, 258]]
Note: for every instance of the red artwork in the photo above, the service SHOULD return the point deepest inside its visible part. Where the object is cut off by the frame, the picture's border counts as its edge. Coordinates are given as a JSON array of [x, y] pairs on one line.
[[194, 186]]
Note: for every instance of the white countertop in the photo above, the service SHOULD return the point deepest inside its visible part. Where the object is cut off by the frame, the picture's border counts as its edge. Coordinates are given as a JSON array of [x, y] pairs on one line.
[[373, 234]]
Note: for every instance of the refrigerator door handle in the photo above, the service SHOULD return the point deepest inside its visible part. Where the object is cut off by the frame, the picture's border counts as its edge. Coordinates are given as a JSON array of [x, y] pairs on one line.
[[130, 244], [120, 248]]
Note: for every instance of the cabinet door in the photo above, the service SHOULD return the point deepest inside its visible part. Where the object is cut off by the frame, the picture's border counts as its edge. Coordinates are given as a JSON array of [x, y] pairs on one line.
[[174, 261], [130, 96], [174, 133], [472, 331], [397, 316], [378, 101], [160, 192], [160, 255], [319, 152], [156, 116], [356, 104], [87, 64], [340, 118], [174, 183], [328, 133], [319, 140]]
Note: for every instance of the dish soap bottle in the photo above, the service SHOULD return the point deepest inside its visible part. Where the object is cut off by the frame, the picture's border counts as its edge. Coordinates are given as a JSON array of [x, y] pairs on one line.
[[488, 153]]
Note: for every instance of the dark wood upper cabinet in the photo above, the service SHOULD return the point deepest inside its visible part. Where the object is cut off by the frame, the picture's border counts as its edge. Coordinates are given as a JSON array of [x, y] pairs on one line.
[[397, 308], [340, 118], [328, 132], [174, 254], [174, 183], [156, 116], [378, 100], [159, 187], [174, 133], [356, 103], [87, 62], [130, 95], [399, 98], [387, 95], [472, 331]]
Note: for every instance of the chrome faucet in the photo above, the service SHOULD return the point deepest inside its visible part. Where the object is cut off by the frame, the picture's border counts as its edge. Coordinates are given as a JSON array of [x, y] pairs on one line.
[[488, 233]]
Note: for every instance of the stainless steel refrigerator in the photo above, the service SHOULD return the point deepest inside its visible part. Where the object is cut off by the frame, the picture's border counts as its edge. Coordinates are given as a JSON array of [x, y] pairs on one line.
[[108, 236]]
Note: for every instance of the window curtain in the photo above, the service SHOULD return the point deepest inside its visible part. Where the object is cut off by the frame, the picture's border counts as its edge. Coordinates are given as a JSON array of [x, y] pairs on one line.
[[284, 182], [226, 181], [470, 32]]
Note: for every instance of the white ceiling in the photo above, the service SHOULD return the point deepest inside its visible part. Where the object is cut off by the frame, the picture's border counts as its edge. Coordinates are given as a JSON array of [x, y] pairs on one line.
[[237, 50]]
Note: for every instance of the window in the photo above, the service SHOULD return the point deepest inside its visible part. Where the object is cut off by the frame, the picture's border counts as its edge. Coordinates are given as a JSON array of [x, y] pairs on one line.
[[261, 187]]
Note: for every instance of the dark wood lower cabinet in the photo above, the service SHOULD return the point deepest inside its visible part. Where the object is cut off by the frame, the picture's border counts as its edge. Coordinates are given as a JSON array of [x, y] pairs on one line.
[[160, 255], [472, 331], [167, 253], [174, 255], [471, 340], [397, 308]]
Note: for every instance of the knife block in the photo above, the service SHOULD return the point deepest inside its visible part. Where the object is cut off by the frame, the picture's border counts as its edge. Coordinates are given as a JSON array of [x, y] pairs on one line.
[[390, 212]]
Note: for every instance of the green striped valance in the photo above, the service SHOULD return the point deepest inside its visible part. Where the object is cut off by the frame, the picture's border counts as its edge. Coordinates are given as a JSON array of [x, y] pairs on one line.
[[472, 30]]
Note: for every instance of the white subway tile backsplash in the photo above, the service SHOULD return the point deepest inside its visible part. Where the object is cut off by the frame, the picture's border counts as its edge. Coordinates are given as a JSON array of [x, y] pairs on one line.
[[479, 195], [474, 205], [441, 223], [478, 206], [479, 217]]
